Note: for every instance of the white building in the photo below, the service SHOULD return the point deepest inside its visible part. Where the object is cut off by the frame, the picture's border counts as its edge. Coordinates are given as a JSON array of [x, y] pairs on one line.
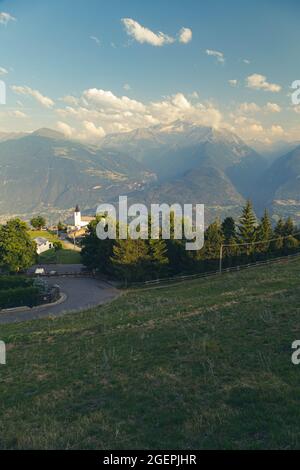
[[42, 245], [79, 221]]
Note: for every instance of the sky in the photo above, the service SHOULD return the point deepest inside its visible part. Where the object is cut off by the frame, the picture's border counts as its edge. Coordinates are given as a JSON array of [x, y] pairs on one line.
[[94, 67]]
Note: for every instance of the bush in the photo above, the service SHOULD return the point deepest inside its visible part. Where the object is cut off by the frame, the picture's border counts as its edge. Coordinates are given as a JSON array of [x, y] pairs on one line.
[[12, 282], [19, 297]]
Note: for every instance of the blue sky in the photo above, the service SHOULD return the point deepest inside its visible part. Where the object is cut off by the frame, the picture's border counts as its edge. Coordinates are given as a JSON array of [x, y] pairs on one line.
[[231, 66]]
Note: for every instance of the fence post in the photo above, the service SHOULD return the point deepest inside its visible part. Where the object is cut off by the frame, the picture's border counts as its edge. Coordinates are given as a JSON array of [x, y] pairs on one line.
[[221, 258]]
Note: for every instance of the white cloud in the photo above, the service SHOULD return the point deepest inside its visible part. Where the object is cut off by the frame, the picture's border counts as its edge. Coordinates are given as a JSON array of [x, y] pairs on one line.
[[91, 132], [217, 54], [256, 129], [5, 18], [272, 108], [69, 99], [233, 83], [185, 35], [145, 35], [96, 40], [259, 82], [106, 99], [101, 112], [127, 87], [15, 114], [19, 114], [249, 108], [25, 90], [178, 107], [246, 61], [67, 130], [277, 131], [249, 129], [3, 71]]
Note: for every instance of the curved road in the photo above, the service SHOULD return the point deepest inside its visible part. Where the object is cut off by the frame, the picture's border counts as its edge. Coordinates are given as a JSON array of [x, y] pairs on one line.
[[81, 294]]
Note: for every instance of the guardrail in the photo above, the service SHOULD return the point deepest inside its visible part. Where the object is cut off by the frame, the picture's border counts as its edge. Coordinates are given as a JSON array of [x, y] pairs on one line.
[[207, 274]]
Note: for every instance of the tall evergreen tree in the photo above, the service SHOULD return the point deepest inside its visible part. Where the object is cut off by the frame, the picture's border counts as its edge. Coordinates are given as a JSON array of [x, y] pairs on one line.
[[264, 232], [96, 254], [213, 240], [248, 228], [131, 259], [158, 257], [289, 227], [279, 228], [228, 229]]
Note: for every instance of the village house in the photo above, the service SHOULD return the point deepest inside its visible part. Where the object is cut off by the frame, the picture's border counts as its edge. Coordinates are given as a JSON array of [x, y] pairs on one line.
[[42, 245]]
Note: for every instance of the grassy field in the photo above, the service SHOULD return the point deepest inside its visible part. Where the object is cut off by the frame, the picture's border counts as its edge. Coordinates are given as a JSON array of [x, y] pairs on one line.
[[60, 257], [51, 236], [205, 364], [64, 256]]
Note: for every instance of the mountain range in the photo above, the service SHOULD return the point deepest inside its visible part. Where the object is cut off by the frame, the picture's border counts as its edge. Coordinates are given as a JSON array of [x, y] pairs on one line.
[[44, 172]]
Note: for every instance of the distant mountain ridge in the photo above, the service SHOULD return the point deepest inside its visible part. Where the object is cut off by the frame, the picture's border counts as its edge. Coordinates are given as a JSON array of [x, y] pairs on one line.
[[44, 172], [279, 186], [181, 150]]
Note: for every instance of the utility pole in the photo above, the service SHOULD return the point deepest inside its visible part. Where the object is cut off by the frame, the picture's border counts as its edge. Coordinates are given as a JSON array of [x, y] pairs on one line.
[[221, 258]]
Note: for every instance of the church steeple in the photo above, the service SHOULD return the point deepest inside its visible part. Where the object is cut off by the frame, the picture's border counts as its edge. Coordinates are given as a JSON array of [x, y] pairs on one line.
[[77, 217]]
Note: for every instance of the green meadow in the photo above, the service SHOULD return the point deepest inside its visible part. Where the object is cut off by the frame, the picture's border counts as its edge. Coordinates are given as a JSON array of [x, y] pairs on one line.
[[204, 364]]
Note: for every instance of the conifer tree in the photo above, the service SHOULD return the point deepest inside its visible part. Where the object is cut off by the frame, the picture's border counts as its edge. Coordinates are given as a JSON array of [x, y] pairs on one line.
[[279, 228], [265, 232], [213, 240], [228, 229], [248, 228], [131, 259], [158, 257], [288, 228], [96, 254]]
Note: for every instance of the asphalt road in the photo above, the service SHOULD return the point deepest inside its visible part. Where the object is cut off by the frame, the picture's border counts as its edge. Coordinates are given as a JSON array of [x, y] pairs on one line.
[[81, 294]]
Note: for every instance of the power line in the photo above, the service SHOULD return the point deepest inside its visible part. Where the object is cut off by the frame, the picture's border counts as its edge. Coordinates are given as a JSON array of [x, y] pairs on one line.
[[262, 241], [250, 244]]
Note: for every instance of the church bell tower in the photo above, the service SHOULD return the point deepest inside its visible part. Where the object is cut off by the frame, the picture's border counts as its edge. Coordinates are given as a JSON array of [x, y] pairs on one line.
[[77, 217]]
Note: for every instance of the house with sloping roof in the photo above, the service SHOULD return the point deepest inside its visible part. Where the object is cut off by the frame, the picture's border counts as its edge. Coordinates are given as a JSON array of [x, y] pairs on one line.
[[42, 245]]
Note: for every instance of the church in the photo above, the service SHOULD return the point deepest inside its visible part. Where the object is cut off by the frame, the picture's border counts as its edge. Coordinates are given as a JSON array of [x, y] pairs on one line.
[[81, 221]]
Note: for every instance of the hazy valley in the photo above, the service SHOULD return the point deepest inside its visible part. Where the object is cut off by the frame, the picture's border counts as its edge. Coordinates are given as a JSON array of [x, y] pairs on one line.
[[44, 172]]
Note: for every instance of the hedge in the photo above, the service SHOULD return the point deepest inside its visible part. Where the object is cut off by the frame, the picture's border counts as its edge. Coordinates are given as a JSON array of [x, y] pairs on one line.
[[19, 297], [13, 282]]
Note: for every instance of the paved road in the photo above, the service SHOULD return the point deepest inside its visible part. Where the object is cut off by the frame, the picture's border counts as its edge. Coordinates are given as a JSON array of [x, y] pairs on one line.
[[81, 293], [59, 268]]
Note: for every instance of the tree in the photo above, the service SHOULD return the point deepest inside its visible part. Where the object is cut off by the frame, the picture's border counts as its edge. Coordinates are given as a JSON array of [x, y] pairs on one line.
[[288, 228], [279, 228], [96, 254], [61, 227], [17, 250], [265, 232], [58, 246], [248, 228], [213, 240], [131, 259], [228, 229], [290, 244], [38, 222], [158, 257], [179, 258]]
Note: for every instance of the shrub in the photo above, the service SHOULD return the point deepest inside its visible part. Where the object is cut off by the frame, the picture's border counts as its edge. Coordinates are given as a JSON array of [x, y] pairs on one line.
[[12, 282], [19, 297]]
